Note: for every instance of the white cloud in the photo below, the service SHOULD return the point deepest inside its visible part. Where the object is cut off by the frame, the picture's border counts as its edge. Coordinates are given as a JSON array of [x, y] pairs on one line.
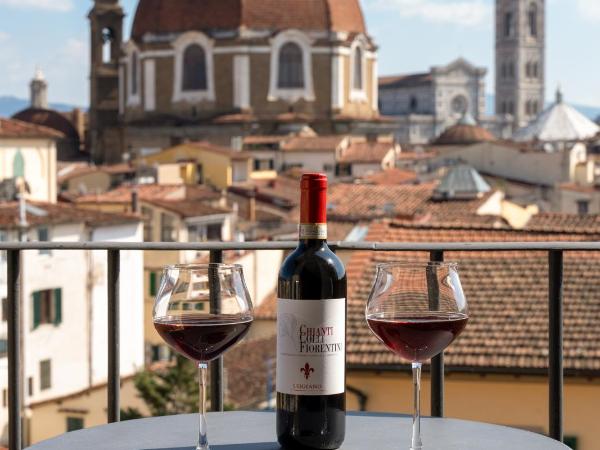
[[51, 5], [589, 9], [4, 36], [456, 12]]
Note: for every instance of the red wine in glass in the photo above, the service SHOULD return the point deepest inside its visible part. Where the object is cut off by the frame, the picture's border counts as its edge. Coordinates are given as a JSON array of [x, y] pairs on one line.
[[417, 337], [202, 338]]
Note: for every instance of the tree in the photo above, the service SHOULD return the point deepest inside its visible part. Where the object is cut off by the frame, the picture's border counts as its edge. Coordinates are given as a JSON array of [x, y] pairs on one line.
[[173, 390]]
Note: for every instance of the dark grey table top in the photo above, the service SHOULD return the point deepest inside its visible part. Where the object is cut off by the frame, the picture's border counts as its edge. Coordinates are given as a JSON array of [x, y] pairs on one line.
[[256, 431]]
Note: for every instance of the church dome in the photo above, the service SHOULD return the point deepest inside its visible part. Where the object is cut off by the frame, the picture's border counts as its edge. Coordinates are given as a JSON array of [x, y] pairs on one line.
[[558, 123], [50, 119], [465, 132], [174, 16]]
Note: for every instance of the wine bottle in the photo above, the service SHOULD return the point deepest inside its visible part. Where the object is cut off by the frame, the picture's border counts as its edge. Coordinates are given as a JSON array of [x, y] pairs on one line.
[[311, 332]]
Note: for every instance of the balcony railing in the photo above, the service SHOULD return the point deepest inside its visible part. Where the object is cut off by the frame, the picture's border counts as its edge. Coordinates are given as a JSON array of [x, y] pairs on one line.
[[554, 250]]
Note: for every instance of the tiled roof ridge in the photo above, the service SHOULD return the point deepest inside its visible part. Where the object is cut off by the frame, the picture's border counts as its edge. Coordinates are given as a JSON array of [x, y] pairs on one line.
[[35, 129]]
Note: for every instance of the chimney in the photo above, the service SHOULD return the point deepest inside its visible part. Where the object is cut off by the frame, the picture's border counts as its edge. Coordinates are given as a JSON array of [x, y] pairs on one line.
[[135, 201], [252, 205]]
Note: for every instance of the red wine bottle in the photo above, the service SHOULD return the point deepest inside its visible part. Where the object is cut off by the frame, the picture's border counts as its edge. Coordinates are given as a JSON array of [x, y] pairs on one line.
[[311, 332]]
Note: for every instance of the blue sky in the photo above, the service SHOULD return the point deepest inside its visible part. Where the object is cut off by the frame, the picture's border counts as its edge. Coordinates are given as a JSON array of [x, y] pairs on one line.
[[412, 34]]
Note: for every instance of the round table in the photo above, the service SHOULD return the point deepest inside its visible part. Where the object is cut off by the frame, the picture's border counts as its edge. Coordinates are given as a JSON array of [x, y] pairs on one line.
[[256, 431]]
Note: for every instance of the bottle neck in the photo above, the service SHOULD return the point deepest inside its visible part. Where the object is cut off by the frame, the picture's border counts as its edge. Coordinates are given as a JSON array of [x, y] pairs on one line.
[[312, 243]]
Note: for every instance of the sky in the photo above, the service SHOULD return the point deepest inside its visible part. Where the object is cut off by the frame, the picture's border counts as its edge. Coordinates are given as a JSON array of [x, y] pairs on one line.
[[413, 35]]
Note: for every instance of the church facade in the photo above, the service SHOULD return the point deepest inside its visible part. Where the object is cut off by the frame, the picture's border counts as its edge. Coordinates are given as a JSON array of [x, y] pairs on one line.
[[423, 105], [222, 69]]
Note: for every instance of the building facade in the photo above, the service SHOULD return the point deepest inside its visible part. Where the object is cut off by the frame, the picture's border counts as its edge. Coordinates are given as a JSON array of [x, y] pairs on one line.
[[520, 59], [216, 70], [423, 105], [65, 311]]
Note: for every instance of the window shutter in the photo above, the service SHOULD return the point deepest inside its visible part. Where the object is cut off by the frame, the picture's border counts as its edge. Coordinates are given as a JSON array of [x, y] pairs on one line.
[[152, 283], [57, 306], [37, 309]]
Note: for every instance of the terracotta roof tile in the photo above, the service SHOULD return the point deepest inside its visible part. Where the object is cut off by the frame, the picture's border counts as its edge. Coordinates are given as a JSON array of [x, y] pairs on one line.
[[317, 143], [507, 294], [189, 208], [13, 128], [565, 223], [171, 16], [366, 152], [462, 134], [57, 213], [392, 177], [152, 192], [248, 367], [349, 202]]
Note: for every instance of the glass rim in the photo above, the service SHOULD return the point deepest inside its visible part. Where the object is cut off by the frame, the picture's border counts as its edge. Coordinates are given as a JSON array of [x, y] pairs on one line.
[[198, 267], [416, 264]]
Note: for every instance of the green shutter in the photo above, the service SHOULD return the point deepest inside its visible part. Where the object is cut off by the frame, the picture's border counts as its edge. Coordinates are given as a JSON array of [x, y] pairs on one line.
[[37, 309], [152, 283], [18, 165], [57, 306]]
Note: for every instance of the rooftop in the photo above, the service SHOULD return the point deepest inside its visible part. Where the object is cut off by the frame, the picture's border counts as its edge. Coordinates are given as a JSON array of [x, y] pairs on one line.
[[559, 122], [366, 152], [405, 80], [507, 294], [13, 128], [175, 16], [152, 192], [58, 213], [391, 177]]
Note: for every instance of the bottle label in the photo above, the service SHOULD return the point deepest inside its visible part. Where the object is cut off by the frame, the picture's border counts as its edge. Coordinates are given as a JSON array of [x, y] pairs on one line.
[[313, 231], [311, 346]]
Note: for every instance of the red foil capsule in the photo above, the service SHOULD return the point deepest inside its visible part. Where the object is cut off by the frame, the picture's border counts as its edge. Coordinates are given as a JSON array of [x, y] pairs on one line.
[[313, 198]]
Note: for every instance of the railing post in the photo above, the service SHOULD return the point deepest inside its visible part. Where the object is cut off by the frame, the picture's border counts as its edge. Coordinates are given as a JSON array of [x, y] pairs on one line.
[[437, 362], [555, 327], [114, 378], [216, 366], [15, 386]]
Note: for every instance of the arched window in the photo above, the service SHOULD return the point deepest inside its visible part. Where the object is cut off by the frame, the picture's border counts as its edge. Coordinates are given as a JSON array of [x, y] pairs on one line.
[[194, 69], [358, 69], [108, 37], [509, 24], [133, 72], [291, 67], [532, 17]]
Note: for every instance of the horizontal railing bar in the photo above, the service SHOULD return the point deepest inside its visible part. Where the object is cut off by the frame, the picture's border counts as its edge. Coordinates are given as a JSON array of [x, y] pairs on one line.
[[288, 245]]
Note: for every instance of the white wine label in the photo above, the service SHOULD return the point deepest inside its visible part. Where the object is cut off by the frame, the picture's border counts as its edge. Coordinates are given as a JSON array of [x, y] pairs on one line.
[[311, 346], [313, 231]]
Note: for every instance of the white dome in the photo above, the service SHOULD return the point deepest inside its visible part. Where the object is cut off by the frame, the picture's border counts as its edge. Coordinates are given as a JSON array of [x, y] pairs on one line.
[[558, 123]]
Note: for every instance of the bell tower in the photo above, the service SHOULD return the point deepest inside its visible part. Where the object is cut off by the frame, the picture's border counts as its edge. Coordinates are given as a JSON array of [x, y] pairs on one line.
[[520, 59], [106, 26]]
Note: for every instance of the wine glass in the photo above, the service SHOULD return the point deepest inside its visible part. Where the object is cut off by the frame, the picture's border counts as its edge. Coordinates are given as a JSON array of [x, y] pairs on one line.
[[201, 310], [417, 309]]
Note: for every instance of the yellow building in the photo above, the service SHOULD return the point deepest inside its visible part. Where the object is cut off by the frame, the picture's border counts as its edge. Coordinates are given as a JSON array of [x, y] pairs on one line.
[[83, 409], [200, 163]]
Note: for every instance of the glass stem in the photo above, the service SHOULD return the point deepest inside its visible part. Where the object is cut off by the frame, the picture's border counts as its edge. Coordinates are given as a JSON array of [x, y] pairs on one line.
[[202, 438], [416, 433]]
